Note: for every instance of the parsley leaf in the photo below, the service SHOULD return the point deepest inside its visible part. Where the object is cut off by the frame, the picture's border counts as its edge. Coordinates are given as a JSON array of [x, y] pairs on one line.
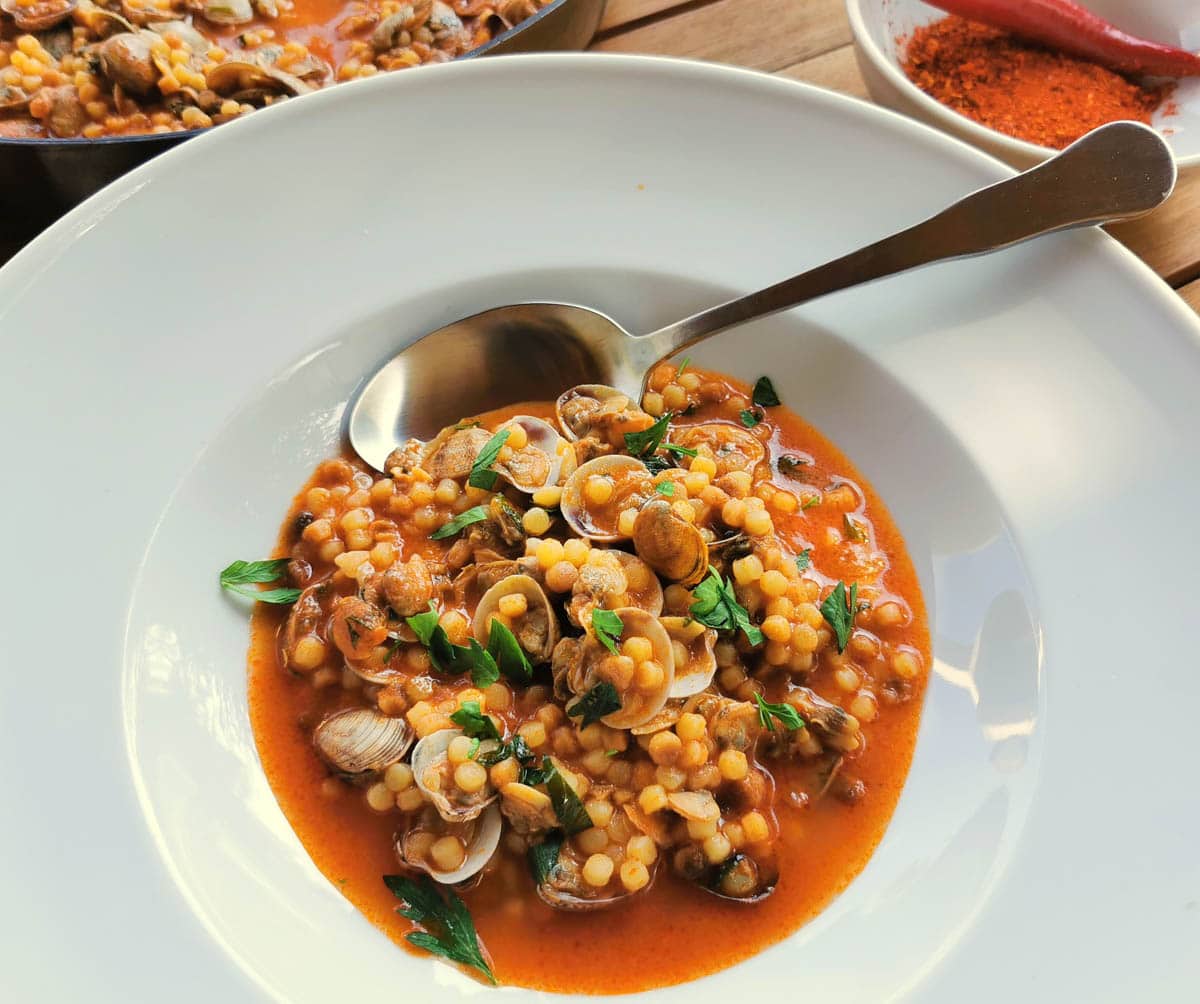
[[804, 559], [600, 700], [839, 613], [788, 716], [504, 648], [666, 488], [474, 722], [463, 519], [683, 364], [542, 857], [473, 748], [809, 502], [764, 393], [449, 929], [683, 451], [716, 606], [750, 418], [484, 671], [239, 573], [607, 627], [656, 464], [567, 806], [443, 653], [646, 442], [531, 775], [517, 748], [482, 476]]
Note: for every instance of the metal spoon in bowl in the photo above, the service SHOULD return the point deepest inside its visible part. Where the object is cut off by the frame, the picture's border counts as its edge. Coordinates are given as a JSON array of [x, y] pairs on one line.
[[531, 351]]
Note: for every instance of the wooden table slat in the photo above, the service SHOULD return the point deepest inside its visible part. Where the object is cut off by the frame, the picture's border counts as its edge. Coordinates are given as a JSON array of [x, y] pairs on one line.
[[619, 12], [836, 71], [1191, 295], [760, 34]]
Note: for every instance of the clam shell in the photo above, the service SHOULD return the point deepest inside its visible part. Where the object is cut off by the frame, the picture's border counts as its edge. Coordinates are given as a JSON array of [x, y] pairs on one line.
[[525, 470], [576, 407], [734, 448], [428, 753], [481, 845], [362, 741], [636, 622], [566, 875], [696, 673], [669, 544], [452, 452], [538, 645], [575, 507], [38, 16]]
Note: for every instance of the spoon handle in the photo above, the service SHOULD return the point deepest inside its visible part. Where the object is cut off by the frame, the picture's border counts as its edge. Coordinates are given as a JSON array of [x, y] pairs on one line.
[[1116, 172]]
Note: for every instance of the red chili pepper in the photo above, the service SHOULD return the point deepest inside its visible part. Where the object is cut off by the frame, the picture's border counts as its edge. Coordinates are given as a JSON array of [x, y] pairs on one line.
[[1070, 28]]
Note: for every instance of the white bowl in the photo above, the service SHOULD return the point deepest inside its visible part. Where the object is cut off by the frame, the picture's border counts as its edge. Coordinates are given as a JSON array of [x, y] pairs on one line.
[[177, 354], [880, 26]]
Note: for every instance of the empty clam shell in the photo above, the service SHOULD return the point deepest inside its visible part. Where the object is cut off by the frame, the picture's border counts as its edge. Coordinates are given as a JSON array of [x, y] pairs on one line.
[[545, 459], [480, 837], [536, 630], [631, 485], [433, 774], [359, 742], [695, 661]]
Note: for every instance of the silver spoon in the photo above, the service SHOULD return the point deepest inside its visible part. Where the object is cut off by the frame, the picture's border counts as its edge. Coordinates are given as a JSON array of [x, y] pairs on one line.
[[534, 351]]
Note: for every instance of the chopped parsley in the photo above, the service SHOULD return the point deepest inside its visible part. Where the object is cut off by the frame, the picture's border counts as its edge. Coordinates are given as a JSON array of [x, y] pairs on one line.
[[443, 653], [567, 806], [682, 451], [764, 393], [716, 606], [544, 856], [484, 671], [666, 488], [482, 475], [517, 748], [804, 559], [683, 364], [607, 627], [238, 576], [448, 931], [809, 502], [839, 611], [504, 648], [788, 716], [461, 521], [474, 748], [600, 700], [750, 418], [647, 442], [474, 723]]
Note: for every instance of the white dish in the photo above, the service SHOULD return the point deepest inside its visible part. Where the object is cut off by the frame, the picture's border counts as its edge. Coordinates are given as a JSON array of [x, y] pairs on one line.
[[167, 388], [881, 26]]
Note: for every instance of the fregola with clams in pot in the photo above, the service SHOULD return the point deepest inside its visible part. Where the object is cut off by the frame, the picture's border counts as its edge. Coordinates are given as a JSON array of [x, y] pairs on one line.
[[577, 675]]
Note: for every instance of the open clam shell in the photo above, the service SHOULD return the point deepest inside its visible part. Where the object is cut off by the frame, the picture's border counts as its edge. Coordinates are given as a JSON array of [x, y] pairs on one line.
[[599, 521], [695, 661], [588, 407], [39, 15], [670, 544], [545, 460], [638, 705], [565, 889], [452, 452], [733, 447], [360, 742], [480, 837], [536, 630], [433, 774]]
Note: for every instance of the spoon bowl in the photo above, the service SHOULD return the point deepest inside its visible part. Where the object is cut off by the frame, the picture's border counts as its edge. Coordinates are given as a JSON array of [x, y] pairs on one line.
[[532, 351]]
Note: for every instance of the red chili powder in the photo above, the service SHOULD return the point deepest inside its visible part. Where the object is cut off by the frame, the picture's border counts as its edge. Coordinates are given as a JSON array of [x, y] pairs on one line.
[[1021, 89]]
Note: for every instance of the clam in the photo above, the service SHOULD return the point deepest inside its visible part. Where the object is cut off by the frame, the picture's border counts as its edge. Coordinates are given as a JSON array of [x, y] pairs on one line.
[[433, 774], [742, 877], [442, 18], [668, 543], [536, 629], [565, 888], [512, 12], [13, 99], [479, 837], [665, 719], [600, 411], [146, 13], [185, 33], [527, 809], [544, 460], [655, 825], [695, 663], [631, 486], [227, 11], [243, 79], [360, 742], [614, 579], [38, 15], [126, 60], [734, 448], [452, 452], [304, 618], [591, 663], [835, 727], [732, 724]]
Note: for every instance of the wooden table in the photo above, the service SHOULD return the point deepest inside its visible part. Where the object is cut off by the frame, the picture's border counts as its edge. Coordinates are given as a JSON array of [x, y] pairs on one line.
[[810, 40]]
